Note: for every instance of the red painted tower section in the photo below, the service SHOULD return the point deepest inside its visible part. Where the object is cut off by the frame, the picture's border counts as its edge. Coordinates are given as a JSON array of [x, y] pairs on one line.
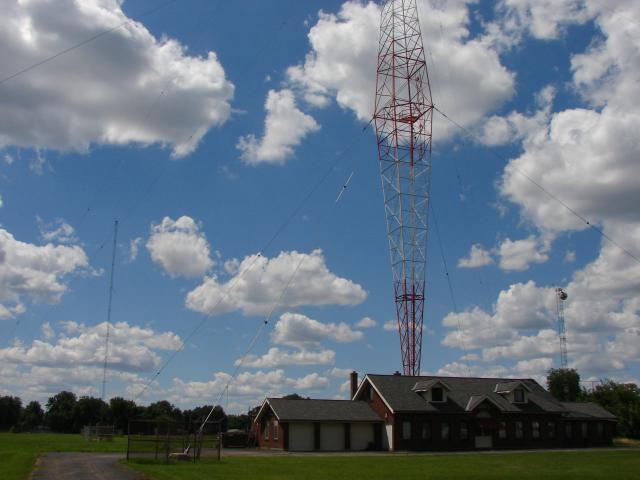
[[403, 116]]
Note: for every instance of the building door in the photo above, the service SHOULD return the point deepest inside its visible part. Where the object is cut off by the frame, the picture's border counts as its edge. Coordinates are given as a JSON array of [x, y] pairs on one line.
[[484, 431]]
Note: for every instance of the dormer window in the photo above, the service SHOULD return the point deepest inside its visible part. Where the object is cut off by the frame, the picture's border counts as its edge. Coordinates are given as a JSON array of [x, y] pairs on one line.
[[518, 395], [433, 391], [437, 394]]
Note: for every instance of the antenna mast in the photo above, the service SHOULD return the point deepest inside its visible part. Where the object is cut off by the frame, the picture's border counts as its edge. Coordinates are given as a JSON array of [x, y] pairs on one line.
[[106, 343], [403, 117], [561, 296]]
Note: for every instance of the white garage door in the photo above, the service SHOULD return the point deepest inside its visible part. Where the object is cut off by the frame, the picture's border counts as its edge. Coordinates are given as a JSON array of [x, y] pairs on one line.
[[361, 435], [331, 436], [301, 437]]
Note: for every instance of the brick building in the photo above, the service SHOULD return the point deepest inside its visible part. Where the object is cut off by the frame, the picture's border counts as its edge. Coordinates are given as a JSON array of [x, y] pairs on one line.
[[394, 412]]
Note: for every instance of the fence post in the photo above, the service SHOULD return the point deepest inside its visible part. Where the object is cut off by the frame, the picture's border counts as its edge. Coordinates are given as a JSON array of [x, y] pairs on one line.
[[157, 439], [167, 442], [128, 438]]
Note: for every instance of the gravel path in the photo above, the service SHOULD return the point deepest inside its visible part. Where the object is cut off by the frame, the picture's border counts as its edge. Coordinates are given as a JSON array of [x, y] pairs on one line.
[[82, 466]]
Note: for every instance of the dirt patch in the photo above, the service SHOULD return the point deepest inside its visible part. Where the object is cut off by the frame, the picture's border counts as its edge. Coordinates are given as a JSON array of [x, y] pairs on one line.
[[82, 466]]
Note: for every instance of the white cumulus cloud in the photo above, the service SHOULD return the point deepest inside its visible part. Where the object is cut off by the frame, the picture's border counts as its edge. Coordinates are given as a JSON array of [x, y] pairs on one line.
[[299, 330], [180, 247], [478, 257], [34, 271], [284, 128], [127, 87], [260, 281]]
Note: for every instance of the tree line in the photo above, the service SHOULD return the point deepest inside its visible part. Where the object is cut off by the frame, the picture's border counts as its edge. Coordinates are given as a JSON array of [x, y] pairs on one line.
[[621, 399], [66, 413]]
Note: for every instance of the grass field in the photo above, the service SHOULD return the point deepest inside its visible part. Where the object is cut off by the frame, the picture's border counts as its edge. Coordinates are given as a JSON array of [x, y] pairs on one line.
[[521, 466], [18, 451]]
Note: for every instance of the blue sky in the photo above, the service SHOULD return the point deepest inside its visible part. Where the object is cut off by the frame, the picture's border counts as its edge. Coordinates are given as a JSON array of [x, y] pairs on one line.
[[203, 156]]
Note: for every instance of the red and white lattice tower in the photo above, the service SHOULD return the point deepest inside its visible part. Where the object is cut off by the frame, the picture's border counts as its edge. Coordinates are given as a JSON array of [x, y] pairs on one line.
[[403, 116]]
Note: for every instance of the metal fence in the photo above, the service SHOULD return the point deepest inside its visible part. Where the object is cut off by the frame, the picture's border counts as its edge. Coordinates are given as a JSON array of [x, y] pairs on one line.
[[166, 440], [98, 433]]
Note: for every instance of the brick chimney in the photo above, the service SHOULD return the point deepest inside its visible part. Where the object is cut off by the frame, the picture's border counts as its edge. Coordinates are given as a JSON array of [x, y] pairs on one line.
[[354, 383]]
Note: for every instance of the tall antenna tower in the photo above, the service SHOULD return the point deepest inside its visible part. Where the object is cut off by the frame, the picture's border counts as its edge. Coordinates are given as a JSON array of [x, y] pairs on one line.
[[106, 342], [403, 117], [561, 296]]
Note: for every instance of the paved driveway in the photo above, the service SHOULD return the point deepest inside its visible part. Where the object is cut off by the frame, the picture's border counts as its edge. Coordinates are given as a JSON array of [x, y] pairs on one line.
[[82, 466]]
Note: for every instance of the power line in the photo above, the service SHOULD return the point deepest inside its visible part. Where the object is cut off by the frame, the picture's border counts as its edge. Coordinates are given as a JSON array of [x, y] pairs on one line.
[[85, 42], [576, 214]]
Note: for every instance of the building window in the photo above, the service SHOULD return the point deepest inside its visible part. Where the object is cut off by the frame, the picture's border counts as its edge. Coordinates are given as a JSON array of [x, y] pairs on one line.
[[518, 395], [276, 430], [370, 394], [444, 431], [464, 431], [406, 430], [599, 429], [437, 394], [568, 430], [585, 430], [426, 431], [266, 430], [519, 430], [502, 430], [535, 429], [551, 429]]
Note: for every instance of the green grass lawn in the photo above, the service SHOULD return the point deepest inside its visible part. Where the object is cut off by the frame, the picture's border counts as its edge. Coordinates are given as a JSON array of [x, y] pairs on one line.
[[540, 465], [18, 451]]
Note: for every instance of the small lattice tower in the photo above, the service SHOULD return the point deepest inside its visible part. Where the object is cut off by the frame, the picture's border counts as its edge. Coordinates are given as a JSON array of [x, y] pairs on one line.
[[561, 296]]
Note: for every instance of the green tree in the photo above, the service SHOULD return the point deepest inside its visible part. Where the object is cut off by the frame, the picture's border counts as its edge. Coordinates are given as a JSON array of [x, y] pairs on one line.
[[198, 414], [121, 411], [89, 411], [564, 384], [162, 410], [623, 400], [10, 409], [32, 416], [59, 416]]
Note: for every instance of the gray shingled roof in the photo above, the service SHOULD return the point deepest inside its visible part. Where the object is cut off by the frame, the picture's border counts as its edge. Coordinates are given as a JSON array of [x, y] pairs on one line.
[[397, 391], [423, 386], [587, 410], [508, 386], [323, 410]]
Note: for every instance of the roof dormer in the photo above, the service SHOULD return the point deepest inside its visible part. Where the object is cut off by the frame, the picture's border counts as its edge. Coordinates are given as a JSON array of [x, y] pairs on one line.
[[515, 391], [433, 391]]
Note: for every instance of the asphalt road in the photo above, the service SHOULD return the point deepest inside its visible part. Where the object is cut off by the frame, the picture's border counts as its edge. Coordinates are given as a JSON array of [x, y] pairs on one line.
[[82, 466]]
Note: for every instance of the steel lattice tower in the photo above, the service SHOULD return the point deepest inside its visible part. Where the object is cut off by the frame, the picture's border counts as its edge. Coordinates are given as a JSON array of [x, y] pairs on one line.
[[561, 296], [403, 117]]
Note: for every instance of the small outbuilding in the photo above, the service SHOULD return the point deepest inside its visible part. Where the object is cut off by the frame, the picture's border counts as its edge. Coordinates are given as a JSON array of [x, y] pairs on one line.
[[318, 425]]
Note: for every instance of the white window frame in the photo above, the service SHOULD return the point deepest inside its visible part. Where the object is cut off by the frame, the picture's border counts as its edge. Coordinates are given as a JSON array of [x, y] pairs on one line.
[[535, 429], [276, 430], [425, 433], [266, 430], [406, 430], [551, 429], [519, 432], [442, 430], [524, 395], [502, 429]]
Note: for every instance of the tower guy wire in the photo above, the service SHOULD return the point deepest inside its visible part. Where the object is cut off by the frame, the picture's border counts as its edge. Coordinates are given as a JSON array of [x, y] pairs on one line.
[[84, 42], [267, 245], [549, 194]]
